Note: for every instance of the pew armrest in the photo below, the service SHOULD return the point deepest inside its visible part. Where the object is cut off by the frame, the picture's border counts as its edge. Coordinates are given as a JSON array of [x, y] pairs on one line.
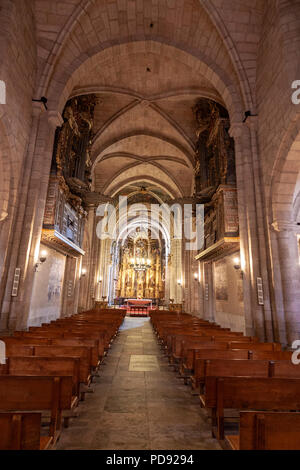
[[45, 442], [233, 442]]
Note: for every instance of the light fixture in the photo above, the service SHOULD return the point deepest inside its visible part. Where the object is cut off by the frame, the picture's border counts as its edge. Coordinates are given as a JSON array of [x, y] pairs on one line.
[[196, 277], [179, 282], [237, 263], [140, 264], [100, 281], [83, 272], [43, 258]]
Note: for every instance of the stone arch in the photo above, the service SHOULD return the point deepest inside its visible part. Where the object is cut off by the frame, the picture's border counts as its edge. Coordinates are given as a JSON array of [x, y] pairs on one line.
[[80, 15], [62, 87], [283, 205], [5, 173], [7, 196], [219, 24], [285, 175]]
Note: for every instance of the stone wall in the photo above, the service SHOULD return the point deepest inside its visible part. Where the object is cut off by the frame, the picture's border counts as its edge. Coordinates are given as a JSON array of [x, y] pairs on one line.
[[18, 71], [228, 293], [47, 293]]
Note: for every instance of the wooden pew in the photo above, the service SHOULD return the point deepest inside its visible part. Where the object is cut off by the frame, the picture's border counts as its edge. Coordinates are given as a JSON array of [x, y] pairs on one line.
[[49, 367], [46, 335], [77, 352], [271, 355], [201, 356], [248, 393], [196, 345], [284, 369], [18, 349], [47, 339], [22, 431], [261, 430], [190, 347], [235, 368], [27, 393], [256, 346]]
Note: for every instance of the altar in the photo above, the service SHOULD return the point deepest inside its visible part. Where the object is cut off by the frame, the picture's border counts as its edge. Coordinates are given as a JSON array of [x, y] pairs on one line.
[[138, 307]]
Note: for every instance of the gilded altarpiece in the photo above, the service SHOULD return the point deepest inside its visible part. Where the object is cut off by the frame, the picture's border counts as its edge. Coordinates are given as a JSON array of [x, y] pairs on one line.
[[148, 283]]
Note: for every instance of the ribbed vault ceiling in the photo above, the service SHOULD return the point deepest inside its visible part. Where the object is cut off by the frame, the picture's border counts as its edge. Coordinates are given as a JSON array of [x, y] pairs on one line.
[[144, 125]]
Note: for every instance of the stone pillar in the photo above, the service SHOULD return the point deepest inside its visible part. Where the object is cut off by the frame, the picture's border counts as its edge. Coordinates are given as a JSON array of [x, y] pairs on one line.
[[167, 281], [95, 254], [208, 292], [91, 291], [288, 251], [252, 236], [104, 266], [71, 287], [32, 200]]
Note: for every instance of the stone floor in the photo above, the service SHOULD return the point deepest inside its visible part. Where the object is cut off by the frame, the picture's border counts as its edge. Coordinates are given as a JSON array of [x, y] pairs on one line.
[[138, 402]]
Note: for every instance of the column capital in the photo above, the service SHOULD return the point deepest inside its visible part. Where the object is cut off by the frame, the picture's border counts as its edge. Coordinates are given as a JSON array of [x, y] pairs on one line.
[[236, 129], [38, 108], [252, 122], [3, 215], [285, 226], [55, 119]]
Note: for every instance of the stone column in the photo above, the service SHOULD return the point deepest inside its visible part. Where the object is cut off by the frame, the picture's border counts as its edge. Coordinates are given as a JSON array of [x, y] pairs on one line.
[[71, 287], [93, 260], [25, 250], [208, 292], [105, 262], [288, 251], [252, 239]]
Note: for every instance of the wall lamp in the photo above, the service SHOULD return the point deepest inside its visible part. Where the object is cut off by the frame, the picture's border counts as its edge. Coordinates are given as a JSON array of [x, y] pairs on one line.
[[237, 263], [83, 272], [179, 282], [43, 258], [196, 277]]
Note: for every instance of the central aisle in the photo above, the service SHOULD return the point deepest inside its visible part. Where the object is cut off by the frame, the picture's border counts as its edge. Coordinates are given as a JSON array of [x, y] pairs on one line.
[[138, 403]]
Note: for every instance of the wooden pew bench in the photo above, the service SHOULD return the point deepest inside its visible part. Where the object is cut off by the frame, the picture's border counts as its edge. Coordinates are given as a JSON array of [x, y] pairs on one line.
[[17, 349], [189, 348], [189, 351], [234, 368], [261, 430], [47, 334], [283, 369], [198, 377], [47, 339], [249, 393], [47, 366], [22, 431], [271, 355], [42, 394], [77, 352]]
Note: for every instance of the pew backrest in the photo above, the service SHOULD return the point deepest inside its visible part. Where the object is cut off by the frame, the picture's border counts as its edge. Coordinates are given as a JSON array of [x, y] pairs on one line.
[[269, 431], [20, 431]]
